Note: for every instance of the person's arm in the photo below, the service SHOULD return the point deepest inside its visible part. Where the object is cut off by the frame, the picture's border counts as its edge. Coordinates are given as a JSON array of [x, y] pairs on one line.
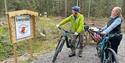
[[81, 26], [104, 27], [65, 21], [112, 26]]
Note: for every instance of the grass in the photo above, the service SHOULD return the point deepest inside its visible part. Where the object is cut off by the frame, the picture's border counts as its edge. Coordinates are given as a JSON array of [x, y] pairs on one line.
[[48, 42]]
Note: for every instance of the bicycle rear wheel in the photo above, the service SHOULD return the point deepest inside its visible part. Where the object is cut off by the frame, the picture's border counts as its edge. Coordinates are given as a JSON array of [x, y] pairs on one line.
[[58, 49], [110, 56]]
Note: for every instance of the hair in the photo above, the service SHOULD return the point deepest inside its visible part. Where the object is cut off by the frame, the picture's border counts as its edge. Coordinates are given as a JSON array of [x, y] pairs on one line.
[[119, 12]]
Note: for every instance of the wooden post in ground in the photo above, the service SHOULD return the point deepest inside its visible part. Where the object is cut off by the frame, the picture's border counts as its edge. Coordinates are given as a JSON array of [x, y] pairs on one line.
[[15, 52], [30, 48], [11, 39]]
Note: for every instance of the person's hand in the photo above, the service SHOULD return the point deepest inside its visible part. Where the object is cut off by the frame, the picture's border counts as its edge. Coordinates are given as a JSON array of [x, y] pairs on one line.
[[57, 25], [102, 34], [75, 33]]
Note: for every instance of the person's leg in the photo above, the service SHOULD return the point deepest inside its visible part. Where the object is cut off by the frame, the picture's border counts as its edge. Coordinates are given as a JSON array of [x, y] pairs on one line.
[[115, 41], [73, 48], [81, 45]]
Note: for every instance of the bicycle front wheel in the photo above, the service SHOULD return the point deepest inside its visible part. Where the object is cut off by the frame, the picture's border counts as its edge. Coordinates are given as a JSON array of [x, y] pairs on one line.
[[110, 56], [58, 49]]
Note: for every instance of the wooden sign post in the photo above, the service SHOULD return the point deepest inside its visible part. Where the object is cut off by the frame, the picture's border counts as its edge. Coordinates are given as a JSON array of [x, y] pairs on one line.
[[21, 27]]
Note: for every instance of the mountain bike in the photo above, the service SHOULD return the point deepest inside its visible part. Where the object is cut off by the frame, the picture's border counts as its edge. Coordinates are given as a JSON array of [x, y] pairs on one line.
[[65, 38], [104, 50]]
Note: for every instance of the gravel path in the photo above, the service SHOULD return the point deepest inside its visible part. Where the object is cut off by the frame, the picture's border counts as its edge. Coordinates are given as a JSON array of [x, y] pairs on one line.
[[89, 55]]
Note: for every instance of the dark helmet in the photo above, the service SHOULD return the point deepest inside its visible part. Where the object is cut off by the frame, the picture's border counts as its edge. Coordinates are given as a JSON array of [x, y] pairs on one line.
[[76, 8]]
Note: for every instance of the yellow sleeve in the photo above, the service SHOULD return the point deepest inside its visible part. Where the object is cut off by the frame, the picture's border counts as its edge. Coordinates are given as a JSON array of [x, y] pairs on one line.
[[81, 25], [64, 21]]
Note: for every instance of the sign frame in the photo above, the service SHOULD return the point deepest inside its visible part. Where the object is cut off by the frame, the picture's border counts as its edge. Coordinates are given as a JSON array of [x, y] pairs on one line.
[[11, 22], [12, 29]]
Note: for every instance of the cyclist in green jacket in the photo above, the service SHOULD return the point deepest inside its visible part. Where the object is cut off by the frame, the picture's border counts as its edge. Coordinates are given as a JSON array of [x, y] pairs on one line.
[[77, 26]]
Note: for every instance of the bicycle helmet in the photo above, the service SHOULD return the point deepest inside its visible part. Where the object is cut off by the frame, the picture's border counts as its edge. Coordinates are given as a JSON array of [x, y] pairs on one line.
[[76, 8]]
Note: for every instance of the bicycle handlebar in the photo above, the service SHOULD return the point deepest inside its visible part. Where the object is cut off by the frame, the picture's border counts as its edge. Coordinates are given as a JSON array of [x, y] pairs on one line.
[[60, 28], [91, 30]]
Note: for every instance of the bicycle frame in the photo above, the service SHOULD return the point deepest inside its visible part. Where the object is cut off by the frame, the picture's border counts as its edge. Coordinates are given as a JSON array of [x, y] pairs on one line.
[[103, 42], [65, 36]]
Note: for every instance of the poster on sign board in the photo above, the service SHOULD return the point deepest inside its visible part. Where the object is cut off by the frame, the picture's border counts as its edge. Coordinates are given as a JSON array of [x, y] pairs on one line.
[[22, 26]]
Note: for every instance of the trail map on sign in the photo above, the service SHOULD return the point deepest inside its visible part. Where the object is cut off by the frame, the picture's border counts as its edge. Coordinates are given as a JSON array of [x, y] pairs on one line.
[[23, 28]]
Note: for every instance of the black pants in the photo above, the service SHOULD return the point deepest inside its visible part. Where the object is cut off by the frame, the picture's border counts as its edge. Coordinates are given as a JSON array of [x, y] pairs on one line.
[[115, 41]]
